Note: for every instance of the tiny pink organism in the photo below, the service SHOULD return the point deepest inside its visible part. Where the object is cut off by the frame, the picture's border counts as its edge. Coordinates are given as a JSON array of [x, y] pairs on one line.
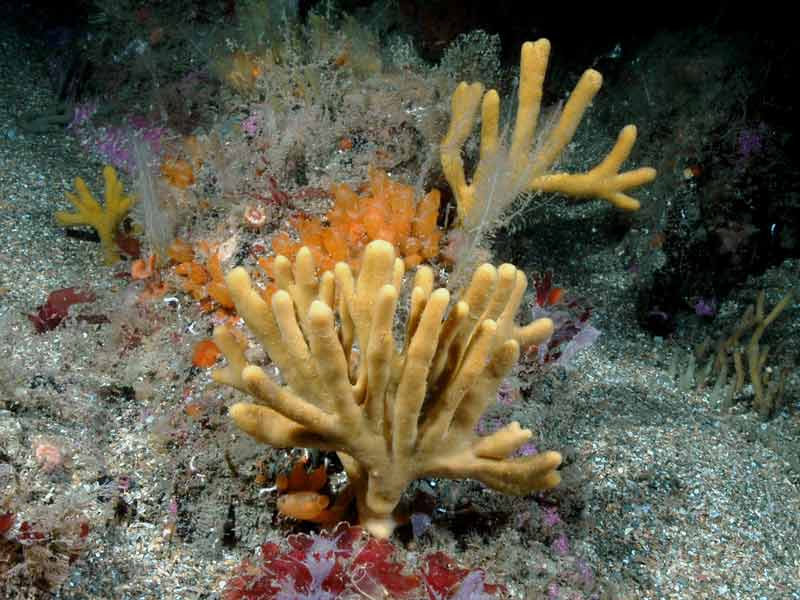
[[49, 457]]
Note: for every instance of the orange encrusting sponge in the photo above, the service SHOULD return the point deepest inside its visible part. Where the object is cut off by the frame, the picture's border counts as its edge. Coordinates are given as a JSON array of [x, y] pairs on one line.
[[206, 283], [178, 172], [387, 212]]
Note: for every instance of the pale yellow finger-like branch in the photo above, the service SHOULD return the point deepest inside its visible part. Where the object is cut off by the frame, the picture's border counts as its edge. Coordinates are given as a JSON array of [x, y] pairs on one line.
[[484, 392], [534, 333], [294, 408], [518, 476], [580, 99], [414, 379], [270, 427], [451, 330], [379, 356], [532, 69], [506, 284], [503, 442], [472, 368], [464, 108], [331, 365], [490, 125], [299, 370], [233, 350], [255, 311]]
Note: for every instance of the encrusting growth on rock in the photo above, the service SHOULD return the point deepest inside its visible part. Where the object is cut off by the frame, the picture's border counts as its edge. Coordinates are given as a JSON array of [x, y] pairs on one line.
[[106, 218], [393, 411]]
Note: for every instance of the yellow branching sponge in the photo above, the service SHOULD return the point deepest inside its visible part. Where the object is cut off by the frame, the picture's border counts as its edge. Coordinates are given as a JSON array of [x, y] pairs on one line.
[[394, 411], [526, 164], [103, 218]]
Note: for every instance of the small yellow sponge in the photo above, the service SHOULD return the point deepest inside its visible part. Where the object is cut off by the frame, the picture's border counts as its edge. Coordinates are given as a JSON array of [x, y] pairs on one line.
[[106, 218]]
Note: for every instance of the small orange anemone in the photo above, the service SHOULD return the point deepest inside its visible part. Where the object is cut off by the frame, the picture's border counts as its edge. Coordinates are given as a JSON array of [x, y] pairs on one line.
[[301, 497], [205, 354], [143, 269], [303, 506]]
